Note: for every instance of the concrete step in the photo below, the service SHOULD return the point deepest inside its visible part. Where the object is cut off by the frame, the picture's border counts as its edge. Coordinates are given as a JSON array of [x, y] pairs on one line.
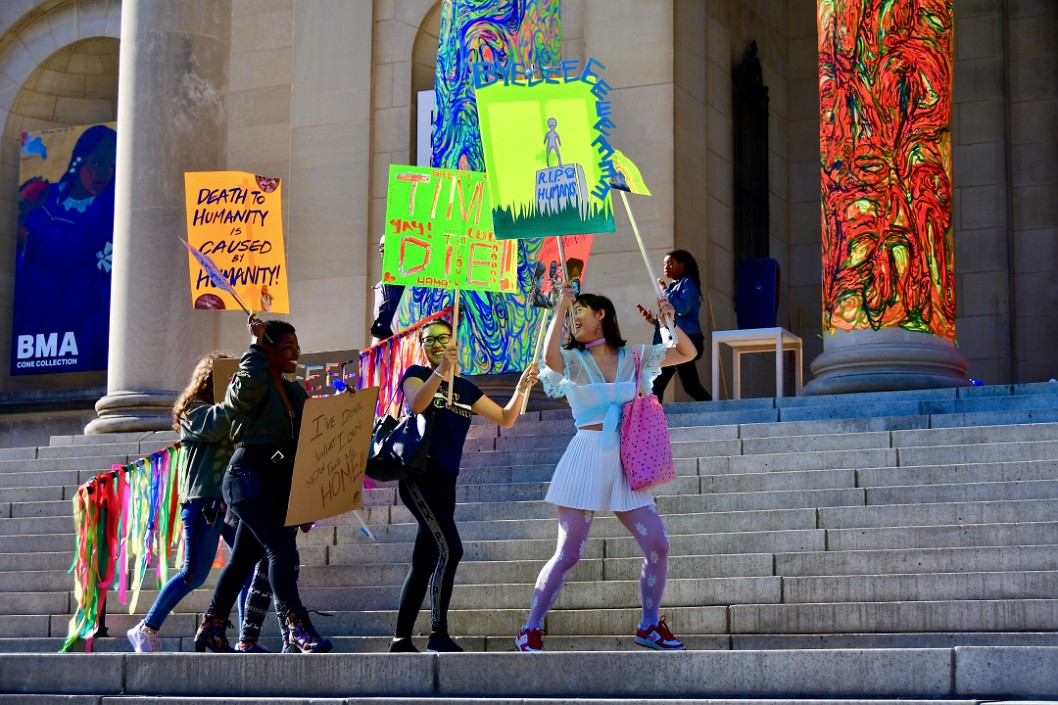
[[688, 499], [26, 526], [689, 503], [997, 417], [895, 640], [938, 514], [679, 417], [966, 535], [17, 454], [621, 546], [602, 526], [122, 700], [978, 453], [28, 603], [968, 492], [93, 464], [18, 544], [173, 642], [38, 580], [814, 443], [811, 673], [974, 435], [928, 475], [41, 478], [916, 561], [809, 459], [41, 509], [126, 449], [17, 495], [832, 426], [805, 460], [693, 619], [945, 616], [922, 587], [160, 438], [576, 595], [956, 473], [778, 480], [511, 457]]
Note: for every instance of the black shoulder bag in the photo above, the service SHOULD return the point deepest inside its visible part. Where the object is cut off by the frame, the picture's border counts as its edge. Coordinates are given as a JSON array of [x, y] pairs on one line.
[[400, 447]]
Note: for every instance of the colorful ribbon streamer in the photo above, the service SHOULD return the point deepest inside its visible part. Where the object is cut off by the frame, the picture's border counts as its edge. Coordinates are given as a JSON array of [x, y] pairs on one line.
[[131, 510], [383, 365]]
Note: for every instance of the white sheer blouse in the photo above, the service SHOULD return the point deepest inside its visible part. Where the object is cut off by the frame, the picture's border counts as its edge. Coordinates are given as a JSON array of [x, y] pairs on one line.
[[593, 399]]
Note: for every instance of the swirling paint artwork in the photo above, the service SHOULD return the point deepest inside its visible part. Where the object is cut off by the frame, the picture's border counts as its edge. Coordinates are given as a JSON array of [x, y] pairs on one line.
[[495, 330], [526, 31], [885, 72]]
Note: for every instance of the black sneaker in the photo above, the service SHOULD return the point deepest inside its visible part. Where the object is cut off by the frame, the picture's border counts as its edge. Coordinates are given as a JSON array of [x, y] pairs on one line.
[[402, 645], [440, 642]]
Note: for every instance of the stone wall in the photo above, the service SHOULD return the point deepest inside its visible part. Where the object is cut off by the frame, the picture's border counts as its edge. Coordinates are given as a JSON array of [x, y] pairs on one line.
[[1005, 136]]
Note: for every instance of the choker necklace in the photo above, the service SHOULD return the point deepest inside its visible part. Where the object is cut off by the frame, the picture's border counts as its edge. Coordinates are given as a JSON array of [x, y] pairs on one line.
[[594, 343]]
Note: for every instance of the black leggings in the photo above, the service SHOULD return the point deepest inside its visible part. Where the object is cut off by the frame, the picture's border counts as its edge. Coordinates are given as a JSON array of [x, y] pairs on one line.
[[261, 532], [688, 373], [432, 499]]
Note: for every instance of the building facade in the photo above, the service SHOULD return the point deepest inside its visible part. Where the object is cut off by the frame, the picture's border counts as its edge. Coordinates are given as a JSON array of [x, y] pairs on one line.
[[323, 94]]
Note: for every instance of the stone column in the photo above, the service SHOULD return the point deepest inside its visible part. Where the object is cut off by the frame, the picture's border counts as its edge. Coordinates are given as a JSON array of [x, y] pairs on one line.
[[885, 158], [172, 117]]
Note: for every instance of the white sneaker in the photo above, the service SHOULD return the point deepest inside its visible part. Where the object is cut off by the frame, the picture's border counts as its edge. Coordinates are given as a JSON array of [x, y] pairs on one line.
[[143, 640]]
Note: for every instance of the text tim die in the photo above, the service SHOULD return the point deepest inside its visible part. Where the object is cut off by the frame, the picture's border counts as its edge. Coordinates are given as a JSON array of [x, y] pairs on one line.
[[439, 232], [236, 219]]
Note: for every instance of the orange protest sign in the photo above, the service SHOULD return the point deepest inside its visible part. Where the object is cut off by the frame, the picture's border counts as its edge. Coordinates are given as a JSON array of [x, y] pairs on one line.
[[235, 219]]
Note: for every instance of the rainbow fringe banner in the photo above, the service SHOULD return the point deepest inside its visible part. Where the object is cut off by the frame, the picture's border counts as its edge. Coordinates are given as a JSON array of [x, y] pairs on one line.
[[383, 365], [131, 511]]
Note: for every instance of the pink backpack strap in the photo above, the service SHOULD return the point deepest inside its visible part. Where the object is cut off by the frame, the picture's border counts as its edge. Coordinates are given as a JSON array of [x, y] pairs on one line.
[[639, 371]]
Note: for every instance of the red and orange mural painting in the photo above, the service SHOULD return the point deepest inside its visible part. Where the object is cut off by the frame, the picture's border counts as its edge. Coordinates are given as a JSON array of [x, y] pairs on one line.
[[885, 155]]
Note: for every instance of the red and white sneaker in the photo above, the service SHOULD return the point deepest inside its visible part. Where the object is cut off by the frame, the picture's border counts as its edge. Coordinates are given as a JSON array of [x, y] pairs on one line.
[[530, 640], [658, 637]]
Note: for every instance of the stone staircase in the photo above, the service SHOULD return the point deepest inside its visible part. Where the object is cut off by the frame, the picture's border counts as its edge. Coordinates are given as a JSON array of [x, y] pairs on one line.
[[861, 547]]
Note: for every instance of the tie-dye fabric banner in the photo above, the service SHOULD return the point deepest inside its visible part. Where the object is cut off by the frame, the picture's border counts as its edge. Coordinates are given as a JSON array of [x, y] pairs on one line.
[[885, 78], [383, 365]]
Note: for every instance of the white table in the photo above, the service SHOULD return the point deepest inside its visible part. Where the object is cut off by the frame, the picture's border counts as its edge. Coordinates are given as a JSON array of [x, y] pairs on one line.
[[755, 340]]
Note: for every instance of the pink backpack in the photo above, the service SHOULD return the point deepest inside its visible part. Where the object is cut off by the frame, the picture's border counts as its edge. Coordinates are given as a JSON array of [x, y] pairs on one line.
[[646, 451]]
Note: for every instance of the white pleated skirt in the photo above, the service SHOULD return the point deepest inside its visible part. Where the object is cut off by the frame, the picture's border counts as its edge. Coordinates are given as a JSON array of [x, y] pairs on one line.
[[590, 477]]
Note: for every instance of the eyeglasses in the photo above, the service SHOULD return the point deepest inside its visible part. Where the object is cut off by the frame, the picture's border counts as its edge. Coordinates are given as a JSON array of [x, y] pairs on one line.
[[431, 340]]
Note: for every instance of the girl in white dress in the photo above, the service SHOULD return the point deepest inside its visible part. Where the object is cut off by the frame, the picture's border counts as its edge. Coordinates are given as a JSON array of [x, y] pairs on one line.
[[596, 374]]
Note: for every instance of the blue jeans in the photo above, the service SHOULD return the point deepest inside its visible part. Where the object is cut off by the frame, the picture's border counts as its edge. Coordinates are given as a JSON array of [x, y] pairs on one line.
[[200, 548]]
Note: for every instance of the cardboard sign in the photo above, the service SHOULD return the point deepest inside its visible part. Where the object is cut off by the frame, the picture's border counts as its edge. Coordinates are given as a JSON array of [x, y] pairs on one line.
[[332, 453], [439, 232], [235, 219], [549, 273], [544, 135], [223, 370]]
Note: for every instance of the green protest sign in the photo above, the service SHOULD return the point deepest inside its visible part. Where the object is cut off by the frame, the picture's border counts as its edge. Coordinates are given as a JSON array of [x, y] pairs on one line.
[[545, 136], [439, 232]]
